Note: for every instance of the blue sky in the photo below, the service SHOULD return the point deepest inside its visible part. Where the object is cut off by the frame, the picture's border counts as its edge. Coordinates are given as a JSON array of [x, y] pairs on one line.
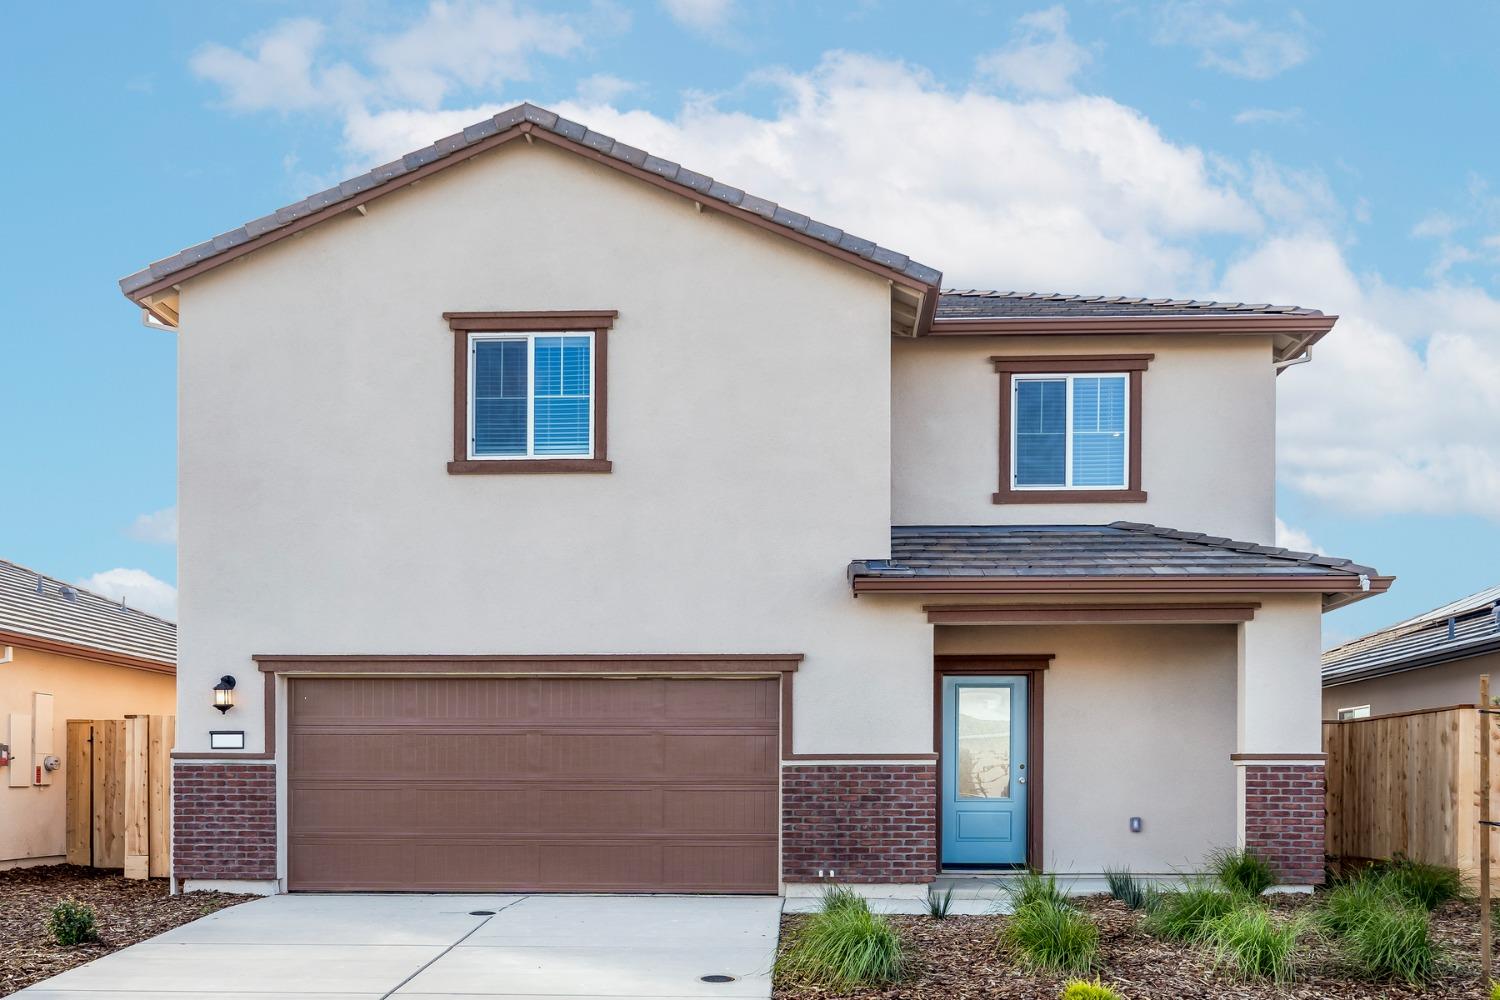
[[1338, 155]]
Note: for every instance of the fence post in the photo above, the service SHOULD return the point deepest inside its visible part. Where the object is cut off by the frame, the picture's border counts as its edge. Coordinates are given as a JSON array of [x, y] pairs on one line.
[[1484, 825]]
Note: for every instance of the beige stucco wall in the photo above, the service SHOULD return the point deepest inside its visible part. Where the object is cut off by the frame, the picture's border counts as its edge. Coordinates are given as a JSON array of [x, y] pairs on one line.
[[1139, 720], [1208, 414], [748, 427], [32, 818], [1455, 683]]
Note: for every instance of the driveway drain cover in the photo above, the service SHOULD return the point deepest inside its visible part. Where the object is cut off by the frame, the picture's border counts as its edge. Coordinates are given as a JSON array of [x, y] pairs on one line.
[[481, 913], [717, 978]]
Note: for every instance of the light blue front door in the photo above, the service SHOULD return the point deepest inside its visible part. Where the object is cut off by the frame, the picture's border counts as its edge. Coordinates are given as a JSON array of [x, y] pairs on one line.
[[984, 770]]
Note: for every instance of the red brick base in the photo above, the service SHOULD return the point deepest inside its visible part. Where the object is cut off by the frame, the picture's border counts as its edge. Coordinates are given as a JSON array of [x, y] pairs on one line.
[[1284, 809], [865, 822], [224, 820]]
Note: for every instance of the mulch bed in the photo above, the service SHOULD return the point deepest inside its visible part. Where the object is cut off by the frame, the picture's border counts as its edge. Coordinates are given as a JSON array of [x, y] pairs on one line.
[[955, 960], [128, 910]]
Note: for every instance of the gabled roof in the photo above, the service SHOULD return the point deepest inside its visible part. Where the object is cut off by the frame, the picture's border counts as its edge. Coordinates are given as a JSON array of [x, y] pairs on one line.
[[1121, 557], [536, 124], [47, 613], [1466, 627]]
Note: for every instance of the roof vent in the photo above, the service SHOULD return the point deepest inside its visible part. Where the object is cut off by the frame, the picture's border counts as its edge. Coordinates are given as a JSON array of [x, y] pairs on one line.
[[39, 588], [68, 593], [1496, 612], [1452, 629]]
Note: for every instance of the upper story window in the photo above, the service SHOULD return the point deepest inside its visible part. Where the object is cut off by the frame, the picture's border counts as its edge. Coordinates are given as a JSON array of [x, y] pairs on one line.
[[1357, 712], [1070, 428], [529, 392]]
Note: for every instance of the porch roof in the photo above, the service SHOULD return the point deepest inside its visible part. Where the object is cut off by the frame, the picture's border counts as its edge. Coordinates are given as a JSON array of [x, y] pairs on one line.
[[1122, 557]]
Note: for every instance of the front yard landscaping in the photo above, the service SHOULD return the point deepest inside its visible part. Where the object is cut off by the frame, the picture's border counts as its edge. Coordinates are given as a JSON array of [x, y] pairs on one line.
[[1393, 933], [125, 911]]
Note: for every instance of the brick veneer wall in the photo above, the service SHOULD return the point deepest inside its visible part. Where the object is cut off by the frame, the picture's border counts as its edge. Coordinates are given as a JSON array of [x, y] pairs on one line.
[[1284, 811], [224, 820], [867, 822]]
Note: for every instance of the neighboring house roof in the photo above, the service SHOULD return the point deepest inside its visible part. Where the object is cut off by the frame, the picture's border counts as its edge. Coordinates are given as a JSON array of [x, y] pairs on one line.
[[979, 304], [51, 614], [1459, 629], [535, 123], [1100, 558]]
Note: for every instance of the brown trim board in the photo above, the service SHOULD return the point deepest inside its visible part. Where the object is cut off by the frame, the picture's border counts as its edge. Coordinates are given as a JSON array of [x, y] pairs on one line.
[[1252, 757], [61, 648], [1034, 667], [1083, 614], [597, 321], [1132, 365]]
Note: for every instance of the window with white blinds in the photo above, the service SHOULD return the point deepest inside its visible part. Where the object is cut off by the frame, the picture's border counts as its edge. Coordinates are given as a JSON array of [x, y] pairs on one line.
[[531, 395], [1070, 432]]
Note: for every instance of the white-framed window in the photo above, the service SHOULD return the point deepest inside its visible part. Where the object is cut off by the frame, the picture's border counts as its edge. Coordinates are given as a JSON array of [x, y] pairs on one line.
[[531, 395], [1070, 432], [1356, 712]]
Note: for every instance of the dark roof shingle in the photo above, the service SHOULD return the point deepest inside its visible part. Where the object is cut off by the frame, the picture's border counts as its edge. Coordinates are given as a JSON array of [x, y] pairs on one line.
[[1423, 641], [36, 605], [979, 304]]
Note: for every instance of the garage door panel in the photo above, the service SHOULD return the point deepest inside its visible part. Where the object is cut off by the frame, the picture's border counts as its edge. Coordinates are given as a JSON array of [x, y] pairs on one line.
[[535, 784]]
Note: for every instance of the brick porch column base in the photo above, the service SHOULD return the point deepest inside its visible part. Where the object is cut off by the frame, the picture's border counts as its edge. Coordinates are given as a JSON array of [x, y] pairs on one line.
[[866, 822], [224, 820], [1284, 811]]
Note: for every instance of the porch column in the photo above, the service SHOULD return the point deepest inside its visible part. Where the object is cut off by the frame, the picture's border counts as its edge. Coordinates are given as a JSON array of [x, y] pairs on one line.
[[1279, 745]]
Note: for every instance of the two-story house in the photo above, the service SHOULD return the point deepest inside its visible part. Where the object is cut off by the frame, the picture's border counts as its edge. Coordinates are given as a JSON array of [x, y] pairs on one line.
[[570, 520]]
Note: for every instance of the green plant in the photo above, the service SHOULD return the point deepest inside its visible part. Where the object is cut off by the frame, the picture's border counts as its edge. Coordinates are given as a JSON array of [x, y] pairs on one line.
[[1032, 886], [1254, 943], [840, 897], [1050, 934], [1495, 991], [72, 923], [844, 948], [1241, 871], [1184, 914], [1429, 886], [939, 903], [1082, 989], [1392, 942], [1350, 903], [1128, 889]]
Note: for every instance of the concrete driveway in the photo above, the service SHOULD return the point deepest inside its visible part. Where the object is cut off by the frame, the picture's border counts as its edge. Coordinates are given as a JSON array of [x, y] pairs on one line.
[[367, 947]]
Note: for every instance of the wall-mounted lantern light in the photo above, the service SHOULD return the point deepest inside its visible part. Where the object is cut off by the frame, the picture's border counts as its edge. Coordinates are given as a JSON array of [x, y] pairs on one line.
[[224, 693]]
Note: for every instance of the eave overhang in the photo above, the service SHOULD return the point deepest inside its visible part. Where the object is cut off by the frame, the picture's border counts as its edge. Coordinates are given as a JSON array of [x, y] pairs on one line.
[[1336, 592]]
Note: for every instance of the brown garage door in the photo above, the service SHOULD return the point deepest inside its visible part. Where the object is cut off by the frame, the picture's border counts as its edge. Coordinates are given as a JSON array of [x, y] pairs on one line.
[[536, 784]]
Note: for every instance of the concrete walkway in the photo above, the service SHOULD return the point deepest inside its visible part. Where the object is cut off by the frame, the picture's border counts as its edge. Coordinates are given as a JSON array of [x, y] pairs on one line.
[[369, 947]]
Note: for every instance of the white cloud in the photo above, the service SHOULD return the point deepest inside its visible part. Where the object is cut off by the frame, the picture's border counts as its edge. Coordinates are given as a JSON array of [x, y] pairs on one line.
[[137, 588], [279, 72], [602, 88], [1435, 225], [159, 527], [708, 17], [1041, 57], [1294, 538], [1243, 47], [1268, 116]]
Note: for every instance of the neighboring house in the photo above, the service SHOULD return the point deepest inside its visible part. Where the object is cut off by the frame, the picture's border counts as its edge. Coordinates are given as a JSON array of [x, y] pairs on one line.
[[1431, 661], [570, 520], [65, 654]]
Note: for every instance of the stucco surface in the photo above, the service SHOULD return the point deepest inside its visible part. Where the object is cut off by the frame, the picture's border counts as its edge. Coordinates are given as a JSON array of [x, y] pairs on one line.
[[1455, 683], [748, 426], [1208, 408], [32, 819], [1138, 721], [1280, 677]]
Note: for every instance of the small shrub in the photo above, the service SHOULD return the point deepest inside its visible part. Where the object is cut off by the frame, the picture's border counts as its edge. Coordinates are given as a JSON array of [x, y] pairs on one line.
[[1082, 989], [1350, 904], [939, 903], [1184, 915], [1495, 991], [1429, 886], [845, 948], [1049, 934], [840, 897], [72, 923], [1241, 871], [1032, 886], [1255, 944], [1392, 942], [1128, 889]]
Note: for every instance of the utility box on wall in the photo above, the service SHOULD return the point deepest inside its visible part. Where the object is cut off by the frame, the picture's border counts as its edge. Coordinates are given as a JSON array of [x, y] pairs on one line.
[[19, 728]]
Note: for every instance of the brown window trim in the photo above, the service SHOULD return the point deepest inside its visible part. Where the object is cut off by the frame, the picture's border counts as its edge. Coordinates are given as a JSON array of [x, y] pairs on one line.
[[1034, 666], [1072, 364], [599, 321]]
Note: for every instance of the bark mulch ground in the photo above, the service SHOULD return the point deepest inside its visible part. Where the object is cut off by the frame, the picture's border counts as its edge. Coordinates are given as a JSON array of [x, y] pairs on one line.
[[955, 960], [128, 910]]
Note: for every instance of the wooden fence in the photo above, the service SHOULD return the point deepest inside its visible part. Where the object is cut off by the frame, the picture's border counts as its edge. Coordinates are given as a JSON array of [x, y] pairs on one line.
[[119, 781], [1408, 784]]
